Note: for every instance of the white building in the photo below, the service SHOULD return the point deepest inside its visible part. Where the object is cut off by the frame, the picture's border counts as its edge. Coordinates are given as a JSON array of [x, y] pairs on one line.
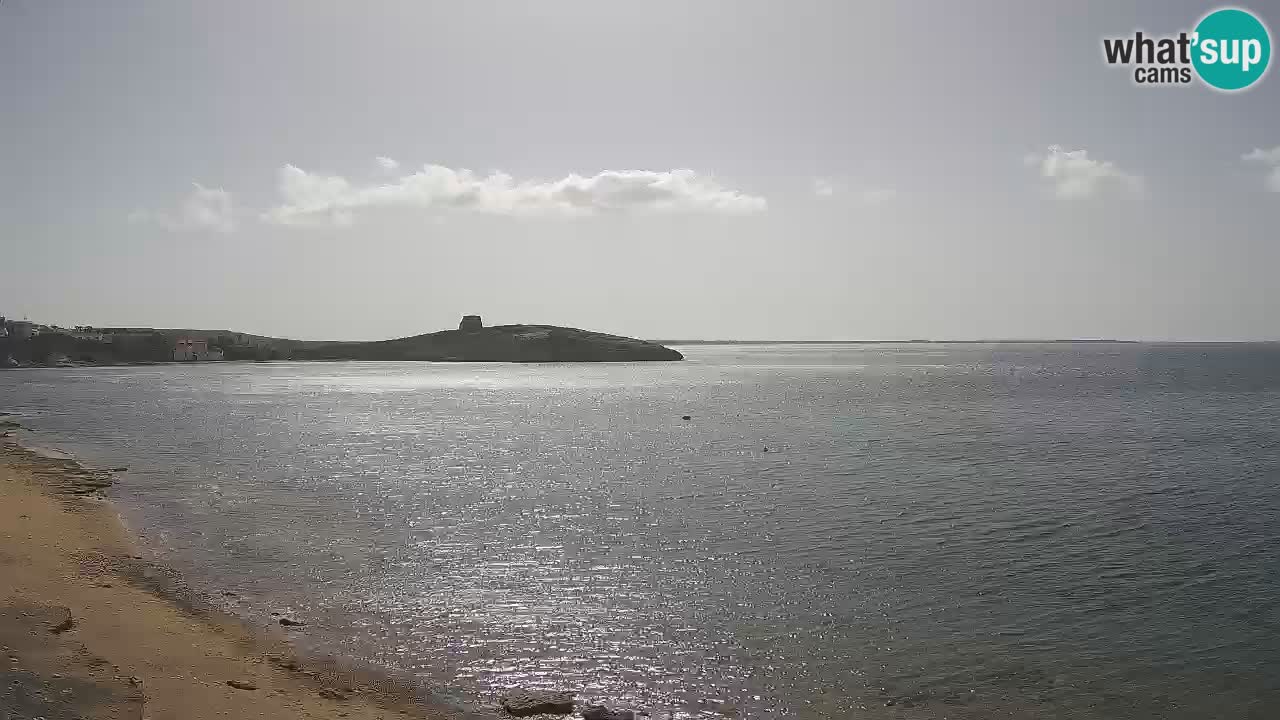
[[24, 329]]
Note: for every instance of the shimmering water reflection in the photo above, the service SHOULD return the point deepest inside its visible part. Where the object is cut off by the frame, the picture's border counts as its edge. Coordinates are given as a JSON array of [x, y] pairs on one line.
[[1082, 531]]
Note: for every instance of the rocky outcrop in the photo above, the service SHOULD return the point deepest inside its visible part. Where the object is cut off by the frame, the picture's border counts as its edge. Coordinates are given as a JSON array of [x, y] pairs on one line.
[[600, 712], [501, 343], [63, 474], [520, 703], [242, 685]]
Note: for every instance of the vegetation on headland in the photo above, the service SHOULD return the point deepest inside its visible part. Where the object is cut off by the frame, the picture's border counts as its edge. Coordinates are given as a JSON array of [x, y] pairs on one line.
[[27, 344], [502, 343]]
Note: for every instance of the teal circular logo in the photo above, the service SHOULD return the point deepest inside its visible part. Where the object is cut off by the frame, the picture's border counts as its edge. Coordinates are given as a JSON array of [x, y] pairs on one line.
[[1232, 49]]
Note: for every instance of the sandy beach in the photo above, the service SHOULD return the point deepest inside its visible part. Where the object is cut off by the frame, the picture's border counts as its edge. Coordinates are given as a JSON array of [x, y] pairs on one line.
[[90, 629]]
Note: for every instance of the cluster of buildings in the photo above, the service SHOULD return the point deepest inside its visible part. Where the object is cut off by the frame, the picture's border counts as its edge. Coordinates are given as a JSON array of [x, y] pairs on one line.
[[184, 348], [25, 330]]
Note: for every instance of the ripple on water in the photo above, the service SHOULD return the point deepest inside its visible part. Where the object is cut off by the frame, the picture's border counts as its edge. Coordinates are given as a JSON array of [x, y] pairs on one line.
[[971, 531]]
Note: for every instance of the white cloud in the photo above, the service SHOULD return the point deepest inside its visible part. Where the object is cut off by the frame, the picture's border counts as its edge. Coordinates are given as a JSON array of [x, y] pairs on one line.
[[202, 209], [1271, 159], [309, 198], [823, 188], [1074, 174], [387, 163]]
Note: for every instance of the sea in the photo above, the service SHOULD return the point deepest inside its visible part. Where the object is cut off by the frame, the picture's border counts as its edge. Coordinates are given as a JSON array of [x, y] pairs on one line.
[[919, 530]]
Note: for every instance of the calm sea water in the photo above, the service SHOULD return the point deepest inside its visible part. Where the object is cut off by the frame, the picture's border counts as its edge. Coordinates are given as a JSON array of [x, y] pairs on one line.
[[1084, 531]]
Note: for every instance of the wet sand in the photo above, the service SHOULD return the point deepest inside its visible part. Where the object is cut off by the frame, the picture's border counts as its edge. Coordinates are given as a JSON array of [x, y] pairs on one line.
[[90, 629]]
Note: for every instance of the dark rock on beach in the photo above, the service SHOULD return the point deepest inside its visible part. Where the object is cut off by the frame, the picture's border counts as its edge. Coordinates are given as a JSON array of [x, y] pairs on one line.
[[600, 712], [242, 685], [59, 619], [537, 702], [63, 474]]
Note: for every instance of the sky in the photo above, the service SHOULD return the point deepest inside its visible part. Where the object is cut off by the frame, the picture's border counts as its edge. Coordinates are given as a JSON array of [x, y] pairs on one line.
[[717, 169]]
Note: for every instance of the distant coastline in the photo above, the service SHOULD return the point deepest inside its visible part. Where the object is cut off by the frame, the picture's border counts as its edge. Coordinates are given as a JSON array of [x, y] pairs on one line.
[[993, 341], [27, 344]]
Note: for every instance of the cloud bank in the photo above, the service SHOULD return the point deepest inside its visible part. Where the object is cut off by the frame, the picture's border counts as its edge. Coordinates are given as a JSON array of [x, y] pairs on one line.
[[310, 198], [1073, 174], [202, 209], [1270, 159]]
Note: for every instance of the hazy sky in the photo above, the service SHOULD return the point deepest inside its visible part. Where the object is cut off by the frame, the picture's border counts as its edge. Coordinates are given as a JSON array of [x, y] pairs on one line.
[[790, 170]]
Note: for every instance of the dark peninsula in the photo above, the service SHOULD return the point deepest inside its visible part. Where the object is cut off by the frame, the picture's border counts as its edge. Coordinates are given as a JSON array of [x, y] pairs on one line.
[[472, 342], [23, 343]]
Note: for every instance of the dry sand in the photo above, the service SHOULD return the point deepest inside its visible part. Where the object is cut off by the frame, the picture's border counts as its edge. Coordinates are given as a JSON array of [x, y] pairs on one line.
[[86, 630]]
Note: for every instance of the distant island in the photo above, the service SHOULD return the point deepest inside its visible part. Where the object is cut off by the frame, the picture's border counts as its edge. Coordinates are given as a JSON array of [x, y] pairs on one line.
[[472, 342], [23, 343]]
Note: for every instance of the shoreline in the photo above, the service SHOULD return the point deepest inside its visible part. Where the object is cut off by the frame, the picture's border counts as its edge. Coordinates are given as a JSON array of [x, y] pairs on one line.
[[89, 628]]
